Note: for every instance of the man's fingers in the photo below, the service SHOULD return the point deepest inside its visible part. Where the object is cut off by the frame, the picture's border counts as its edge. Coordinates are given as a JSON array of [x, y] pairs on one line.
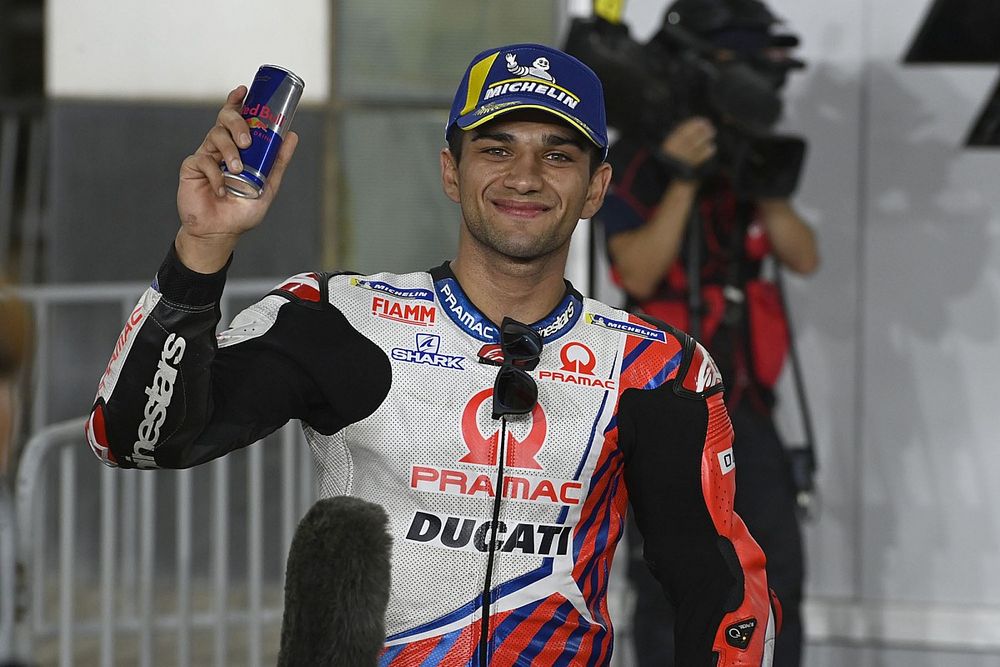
[[697, 130], [203, 166], [219, 144], [236, 125], [231, 116], [236, 96]]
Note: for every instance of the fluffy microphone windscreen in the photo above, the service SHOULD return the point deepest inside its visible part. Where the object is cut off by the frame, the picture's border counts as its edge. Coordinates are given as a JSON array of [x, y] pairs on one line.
[[336, 586]]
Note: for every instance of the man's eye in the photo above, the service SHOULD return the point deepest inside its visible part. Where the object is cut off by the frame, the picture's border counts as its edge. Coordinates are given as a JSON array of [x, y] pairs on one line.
[[495, 150], [559, 157]]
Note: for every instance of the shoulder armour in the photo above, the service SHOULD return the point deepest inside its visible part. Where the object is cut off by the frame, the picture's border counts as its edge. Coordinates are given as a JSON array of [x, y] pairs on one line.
[[697, 377], [306, 289]]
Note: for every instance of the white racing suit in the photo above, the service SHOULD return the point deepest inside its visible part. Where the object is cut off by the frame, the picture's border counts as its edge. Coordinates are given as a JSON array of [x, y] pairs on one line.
[[503, 530]]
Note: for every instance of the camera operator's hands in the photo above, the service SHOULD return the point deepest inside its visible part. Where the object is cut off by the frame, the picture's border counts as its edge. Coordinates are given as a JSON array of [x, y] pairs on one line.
[[691, 142]]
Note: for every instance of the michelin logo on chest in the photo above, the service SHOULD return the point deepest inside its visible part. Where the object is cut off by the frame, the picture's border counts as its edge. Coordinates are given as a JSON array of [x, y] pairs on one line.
[[426, 351]]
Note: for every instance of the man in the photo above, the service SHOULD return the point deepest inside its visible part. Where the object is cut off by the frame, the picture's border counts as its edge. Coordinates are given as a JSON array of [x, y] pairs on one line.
[[504, 453], [659, 191]]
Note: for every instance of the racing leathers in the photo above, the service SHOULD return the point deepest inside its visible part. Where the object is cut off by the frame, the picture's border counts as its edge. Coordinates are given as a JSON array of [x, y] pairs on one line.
[[392, 379]]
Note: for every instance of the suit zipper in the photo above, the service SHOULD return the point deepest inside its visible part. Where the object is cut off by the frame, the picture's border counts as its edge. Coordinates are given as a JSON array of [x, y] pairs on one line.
[[484, 627]]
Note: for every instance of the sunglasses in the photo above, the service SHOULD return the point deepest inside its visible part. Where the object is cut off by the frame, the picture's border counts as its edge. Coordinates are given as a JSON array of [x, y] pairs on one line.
[[514, 391]]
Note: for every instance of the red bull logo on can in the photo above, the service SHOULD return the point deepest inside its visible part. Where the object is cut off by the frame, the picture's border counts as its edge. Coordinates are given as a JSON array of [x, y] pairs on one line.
[[263, 117], [256, 123]]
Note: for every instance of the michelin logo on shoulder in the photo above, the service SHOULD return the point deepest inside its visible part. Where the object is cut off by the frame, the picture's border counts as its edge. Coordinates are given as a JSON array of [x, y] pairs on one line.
[[626, 327], [426, 352], [392, 290]]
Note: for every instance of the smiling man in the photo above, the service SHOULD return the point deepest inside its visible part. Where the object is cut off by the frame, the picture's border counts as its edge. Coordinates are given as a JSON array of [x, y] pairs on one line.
[[502, 419]]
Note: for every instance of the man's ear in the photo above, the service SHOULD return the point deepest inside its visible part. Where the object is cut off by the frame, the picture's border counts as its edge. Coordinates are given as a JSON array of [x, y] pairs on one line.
[[599, 183], [449, 175]]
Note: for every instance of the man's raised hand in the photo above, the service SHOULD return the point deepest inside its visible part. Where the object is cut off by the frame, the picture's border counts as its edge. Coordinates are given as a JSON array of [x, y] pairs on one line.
[[212, 220]]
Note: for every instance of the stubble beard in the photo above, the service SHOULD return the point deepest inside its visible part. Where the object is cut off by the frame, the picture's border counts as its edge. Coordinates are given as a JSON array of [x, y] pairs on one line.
[[517, 248]]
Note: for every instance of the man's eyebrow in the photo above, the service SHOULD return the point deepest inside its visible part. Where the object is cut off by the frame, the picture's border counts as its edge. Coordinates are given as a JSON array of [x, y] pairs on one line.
[[502, 137], [562, 140], [550, 139]]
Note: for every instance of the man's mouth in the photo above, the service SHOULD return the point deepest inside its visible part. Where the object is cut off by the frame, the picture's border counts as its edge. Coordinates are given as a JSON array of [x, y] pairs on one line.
[[519, 209]]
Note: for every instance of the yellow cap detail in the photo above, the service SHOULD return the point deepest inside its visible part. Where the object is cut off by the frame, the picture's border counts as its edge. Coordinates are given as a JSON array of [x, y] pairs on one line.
[[477, 77], [609, 10]]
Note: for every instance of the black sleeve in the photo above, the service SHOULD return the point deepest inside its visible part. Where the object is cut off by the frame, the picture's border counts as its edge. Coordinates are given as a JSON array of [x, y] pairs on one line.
[[680, 473], [172, 398], [665, 436]]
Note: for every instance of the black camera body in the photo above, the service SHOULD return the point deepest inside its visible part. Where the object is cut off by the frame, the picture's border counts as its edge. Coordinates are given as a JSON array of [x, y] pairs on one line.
[[650, 87]]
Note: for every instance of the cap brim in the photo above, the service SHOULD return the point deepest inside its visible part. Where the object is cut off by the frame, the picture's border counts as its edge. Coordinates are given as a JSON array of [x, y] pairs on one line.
[[474, 119]]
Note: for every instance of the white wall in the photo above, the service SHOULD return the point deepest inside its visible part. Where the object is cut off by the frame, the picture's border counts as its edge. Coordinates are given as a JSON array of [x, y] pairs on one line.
[[183, 49]]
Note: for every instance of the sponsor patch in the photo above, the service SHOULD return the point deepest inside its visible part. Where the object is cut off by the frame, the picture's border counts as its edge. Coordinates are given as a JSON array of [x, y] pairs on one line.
[[408, 313], [738, 634], [526, 488], [578, 363], [471, 534], [483, 447], [392, 290], [568, 314], [131, 325], [531, 78], [726, 461], [626, 327], [426, 352], [160, 392], [463, 313]]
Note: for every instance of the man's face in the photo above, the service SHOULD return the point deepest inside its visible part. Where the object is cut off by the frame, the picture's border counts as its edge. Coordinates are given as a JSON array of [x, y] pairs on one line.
[[523, 182]]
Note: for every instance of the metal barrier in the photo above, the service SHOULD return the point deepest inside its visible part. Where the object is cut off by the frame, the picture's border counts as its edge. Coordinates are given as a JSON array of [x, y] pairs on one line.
[[131, 589], [44, 299], [139, 590], [8, 535]]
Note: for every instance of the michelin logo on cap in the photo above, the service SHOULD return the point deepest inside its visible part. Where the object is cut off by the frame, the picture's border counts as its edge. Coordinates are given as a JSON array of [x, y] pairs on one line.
[[530, 76], [538, 70]]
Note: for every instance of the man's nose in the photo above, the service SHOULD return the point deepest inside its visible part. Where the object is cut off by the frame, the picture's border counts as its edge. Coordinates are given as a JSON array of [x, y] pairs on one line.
[[524, 174]]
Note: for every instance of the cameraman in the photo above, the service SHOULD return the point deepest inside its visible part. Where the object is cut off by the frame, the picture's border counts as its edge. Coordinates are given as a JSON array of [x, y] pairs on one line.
[[659, 192]]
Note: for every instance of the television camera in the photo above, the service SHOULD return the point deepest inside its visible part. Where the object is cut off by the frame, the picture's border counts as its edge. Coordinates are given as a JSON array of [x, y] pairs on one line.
[[713, 58]]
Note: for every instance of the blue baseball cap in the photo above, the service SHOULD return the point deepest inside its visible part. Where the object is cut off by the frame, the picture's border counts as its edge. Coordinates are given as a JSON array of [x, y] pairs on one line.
[[531, 76]]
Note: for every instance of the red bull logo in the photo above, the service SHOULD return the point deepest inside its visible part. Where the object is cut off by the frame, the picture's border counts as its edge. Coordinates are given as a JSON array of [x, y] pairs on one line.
[[263, 115], [256, 123]]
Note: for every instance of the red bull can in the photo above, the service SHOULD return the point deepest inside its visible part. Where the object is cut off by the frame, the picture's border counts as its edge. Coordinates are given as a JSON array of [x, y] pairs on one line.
[[268, 110]]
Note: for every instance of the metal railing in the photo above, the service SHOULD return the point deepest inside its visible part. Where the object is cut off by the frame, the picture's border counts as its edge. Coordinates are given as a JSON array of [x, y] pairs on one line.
[[173, 603], [130, 587], [8, 546]]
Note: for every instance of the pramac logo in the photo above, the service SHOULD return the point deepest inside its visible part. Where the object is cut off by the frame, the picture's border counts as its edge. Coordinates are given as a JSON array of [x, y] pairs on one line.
[[578, 363], [530, 484], [577, 358], [483, 448]]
